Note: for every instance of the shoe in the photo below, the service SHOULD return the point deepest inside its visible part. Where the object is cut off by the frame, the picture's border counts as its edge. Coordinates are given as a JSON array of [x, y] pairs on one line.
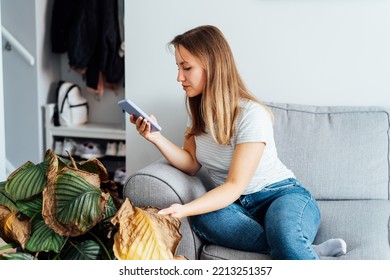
[[90, 150], [111, 149], [80, 147], [58, 147], [68, 145], [121, 149], [120, 175]]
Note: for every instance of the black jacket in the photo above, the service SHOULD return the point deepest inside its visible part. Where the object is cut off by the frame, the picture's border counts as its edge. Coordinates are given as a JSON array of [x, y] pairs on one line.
[[88, 30]]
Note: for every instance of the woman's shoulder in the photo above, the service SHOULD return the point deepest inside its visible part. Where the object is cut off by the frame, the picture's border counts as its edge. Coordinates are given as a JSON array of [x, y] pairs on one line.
[[251, 107], [254, 123]]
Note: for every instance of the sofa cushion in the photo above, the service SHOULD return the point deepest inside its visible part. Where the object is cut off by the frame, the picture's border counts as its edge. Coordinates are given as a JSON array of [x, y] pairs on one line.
[[215, 252], [337, 152], [363, 224]]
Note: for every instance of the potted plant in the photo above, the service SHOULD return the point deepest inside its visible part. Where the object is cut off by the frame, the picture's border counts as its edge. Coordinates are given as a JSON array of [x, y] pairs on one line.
[[60, 209]]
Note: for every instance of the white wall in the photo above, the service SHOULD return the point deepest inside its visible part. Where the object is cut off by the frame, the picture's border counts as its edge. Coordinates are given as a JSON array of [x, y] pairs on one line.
[[22, 108], [2, 129], [27, 88], [334, 52]]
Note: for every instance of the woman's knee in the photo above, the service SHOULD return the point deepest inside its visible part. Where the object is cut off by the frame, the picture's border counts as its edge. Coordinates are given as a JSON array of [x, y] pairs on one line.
[[291, 225], [295, 212]]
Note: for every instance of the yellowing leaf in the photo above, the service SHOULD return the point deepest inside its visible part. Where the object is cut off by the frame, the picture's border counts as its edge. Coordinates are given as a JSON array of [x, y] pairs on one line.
[[145, 235], [12, 229], [72, 200]]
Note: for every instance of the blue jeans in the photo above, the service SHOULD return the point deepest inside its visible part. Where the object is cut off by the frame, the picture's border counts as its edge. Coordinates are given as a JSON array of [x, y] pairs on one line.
[[281, 220]]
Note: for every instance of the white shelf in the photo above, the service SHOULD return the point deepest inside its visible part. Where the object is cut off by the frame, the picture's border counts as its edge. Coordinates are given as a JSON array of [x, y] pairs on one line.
[[91, 130], [88, 130]]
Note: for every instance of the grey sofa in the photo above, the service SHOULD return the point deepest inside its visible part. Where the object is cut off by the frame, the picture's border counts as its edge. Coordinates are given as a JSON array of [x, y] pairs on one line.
[[341, 154]]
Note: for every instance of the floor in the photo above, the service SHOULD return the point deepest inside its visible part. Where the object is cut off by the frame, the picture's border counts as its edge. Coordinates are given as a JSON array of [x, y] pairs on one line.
[[10, 250], [2, 242]]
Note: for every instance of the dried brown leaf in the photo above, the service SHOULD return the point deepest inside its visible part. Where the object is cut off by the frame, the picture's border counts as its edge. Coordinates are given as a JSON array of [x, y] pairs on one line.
[[145, 235], [80, 221], [12, 229]]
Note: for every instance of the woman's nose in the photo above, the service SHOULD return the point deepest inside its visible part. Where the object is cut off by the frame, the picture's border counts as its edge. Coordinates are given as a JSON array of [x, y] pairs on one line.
[[180, 76]]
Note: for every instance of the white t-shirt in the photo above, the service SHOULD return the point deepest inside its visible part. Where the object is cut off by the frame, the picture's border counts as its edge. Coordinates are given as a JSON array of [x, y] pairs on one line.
[[253, 124]]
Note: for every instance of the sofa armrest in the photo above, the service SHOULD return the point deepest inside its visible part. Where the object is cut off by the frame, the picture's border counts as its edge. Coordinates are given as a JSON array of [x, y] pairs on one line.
[[159, 184]]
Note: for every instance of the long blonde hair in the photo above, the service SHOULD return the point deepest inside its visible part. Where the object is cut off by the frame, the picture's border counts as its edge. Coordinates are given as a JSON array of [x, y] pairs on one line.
[[217, 107]]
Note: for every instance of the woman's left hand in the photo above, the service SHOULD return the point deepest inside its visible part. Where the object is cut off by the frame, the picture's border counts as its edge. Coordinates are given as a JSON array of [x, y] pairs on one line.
[[175, 210]]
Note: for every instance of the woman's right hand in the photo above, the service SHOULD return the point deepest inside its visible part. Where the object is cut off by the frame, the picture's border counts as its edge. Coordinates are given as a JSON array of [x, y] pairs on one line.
[[182, 158], [143, 127]]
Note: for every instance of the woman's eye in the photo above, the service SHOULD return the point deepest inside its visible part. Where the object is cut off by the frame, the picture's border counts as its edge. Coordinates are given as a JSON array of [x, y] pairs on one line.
[[187, 68]]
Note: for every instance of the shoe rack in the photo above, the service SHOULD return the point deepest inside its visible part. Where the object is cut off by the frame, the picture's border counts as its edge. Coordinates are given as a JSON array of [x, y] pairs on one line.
[[94, 132], [88, 130]]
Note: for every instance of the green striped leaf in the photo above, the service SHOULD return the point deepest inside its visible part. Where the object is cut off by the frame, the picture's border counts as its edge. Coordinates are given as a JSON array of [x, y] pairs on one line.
[[77, 201], [6, 199], [86, 250], [27, 181], [16, 256], [110, 208], [30, 207], [73, 202], [44, 238]]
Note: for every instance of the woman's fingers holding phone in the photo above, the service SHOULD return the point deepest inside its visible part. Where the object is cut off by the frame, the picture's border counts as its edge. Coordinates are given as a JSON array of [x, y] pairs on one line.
[[132, 119], [144, 127], [138, 122]]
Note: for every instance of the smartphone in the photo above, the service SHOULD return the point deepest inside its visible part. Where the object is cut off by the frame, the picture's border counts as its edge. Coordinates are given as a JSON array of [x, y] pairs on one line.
[[134, 110]]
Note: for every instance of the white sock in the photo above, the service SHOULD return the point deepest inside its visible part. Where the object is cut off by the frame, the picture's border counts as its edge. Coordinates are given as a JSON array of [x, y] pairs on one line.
[[333, 247]]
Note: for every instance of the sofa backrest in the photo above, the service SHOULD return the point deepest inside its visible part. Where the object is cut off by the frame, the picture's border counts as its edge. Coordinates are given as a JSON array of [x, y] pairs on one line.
[[337, 152]]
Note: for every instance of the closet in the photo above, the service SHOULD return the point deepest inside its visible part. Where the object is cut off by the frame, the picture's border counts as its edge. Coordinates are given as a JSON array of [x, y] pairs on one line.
[[30, 93]]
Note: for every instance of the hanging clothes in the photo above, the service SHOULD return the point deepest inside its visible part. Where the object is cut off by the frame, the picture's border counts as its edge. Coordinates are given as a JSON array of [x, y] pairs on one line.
[[89, 31]]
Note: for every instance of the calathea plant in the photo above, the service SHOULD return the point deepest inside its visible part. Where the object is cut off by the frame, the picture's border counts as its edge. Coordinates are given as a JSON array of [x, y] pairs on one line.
[[60, 209]]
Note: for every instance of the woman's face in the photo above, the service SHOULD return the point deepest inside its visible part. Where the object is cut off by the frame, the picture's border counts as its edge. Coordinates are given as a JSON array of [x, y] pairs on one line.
[[191, 74]]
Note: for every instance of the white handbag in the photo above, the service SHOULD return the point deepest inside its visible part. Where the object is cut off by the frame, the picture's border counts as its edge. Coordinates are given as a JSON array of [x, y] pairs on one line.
[[72, 107]]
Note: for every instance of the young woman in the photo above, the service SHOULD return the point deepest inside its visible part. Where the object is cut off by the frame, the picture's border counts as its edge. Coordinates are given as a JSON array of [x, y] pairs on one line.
[[257, 204]]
